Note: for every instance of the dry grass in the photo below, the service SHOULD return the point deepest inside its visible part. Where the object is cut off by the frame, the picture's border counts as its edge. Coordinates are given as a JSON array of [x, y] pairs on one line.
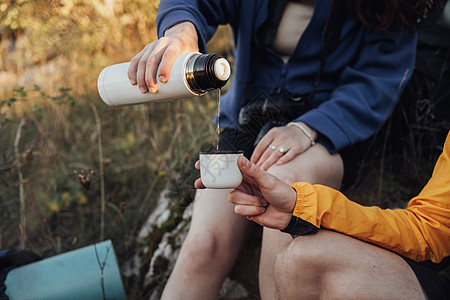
[[56, 133]]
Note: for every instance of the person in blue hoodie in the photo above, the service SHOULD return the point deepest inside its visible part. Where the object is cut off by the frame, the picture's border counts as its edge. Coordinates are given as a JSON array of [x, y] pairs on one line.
[[313, 81]]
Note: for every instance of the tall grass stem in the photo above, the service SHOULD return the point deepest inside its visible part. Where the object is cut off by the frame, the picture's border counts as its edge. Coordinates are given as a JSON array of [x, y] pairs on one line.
[[102, 174], [21, 186]]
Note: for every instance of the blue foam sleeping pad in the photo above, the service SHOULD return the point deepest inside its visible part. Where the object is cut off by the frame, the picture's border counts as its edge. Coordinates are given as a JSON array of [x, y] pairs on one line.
[[72, 275]]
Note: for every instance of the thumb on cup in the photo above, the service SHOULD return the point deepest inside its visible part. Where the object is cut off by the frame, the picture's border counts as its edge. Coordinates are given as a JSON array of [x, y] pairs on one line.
[[252, 170]]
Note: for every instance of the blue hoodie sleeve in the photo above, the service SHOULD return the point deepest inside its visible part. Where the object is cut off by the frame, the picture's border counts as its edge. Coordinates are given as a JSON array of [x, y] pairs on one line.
[[205, 15], [368, 91]]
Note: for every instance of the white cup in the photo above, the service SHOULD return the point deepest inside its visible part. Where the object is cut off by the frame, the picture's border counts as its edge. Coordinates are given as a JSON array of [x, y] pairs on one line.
[[219, 170]]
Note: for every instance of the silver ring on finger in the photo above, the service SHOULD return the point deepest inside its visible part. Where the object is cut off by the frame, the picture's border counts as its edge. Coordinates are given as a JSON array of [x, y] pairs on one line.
[[273, 147], [282, 149]]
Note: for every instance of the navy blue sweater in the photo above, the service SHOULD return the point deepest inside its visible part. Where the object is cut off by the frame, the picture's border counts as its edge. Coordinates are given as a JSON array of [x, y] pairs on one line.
[[362, 78]]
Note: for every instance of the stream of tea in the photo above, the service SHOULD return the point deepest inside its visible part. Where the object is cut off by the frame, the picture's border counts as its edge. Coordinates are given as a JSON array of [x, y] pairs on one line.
[[218, 117]]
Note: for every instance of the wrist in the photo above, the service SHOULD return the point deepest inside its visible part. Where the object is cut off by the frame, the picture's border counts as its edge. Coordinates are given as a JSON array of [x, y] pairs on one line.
[[291, 203], [292, 200], [298, 226], [182, 29], [307, 131]]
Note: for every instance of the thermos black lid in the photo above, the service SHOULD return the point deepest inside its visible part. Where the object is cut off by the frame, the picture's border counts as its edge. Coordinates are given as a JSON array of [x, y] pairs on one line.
[[205, 72]]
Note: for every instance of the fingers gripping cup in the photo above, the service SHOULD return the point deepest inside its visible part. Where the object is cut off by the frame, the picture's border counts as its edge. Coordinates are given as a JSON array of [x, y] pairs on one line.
[[219, 170]]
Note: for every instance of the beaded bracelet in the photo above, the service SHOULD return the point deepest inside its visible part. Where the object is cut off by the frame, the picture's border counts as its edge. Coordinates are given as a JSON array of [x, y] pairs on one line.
[[303, 129]]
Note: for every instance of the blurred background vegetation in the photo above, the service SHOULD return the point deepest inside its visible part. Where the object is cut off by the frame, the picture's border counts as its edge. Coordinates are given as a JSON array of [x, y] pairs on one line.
[[63, 149], [74, 171]]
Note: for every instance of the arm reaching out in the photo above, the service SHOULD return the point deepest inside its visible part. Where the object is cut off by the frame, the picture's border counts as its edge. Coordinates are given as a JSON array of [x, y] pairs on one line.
[[420, 232]]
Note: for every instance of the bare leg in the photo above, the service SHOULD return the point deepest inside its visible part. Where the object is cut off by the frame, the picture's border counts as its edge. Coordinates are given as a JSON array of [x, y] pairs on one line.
[[214, 240], [316, 165], [278, 241], [332, 265]]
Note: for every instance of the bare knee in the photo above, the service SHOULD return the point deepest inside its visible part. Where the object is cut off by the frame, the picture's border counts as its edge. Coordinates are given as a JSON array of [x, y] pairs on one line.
[[286, 177], [316, 166], [301, 267], [202, 251], [330, 263], [287, 174]]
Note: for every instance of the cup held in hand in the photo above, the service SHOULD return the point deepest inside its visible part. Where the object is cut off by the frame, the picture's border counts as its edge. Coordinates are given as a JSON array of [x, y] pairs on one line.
[[219, 170]]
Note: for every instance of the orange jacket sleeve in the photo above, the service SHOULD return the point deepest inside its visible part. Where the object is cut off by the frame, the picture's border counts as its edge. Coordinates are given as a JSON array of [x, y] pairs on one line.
[[420, 232]]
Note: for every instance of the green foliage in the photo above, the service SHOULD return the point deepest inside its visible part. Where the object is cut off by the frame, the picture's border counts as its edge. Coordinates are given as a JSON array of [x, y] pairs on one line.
[[18, 94], [51, 53], [145, 148], [80, 36], [21, 95]]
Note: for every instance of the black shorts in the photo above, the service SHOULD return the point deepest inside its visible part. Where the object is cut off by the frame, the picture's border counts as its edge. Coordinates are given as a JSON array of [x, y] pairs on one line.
[[434, 285], [232, 139]]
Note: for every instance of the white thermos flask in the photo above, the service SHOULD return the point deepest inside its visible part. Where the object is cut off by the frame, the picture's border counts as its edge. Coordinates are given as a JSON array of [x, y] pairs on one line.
[[192, 74]]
